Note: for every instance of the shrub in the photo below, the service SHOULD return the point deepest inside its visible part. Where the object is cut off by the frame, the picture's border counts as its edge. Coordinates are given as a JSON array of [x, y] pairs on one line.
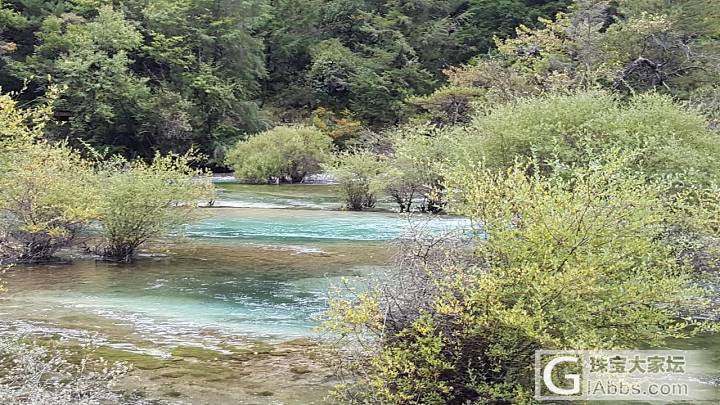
[[47, 192], [36, 375], [362, 176], [575, 259], [19, 126], [413, 168], [707, 100], [673, 140], [141, 201], [47, 196], [283, 153]]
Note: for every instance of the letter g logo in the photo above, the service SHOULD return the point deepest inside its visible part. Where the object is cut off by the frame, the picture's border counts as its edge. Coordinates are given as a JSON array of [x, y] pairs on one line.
[[575, 378]]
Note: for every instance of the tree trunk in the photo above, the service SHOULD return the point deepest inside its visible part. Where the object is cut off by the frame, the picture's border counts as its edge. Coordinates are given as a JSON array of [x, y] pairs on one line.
[[124, 253]]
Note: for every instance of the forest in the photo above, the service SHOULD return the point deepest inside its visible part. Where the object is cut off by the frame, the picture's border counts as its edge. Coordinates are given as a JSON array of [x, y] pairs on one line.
[[371, 202], [145, 76]]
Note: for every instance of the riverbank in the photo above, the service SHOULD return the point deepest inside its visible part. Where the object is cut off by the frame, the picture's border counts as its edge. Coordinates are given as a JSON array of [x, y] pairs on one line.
[[297, 371]]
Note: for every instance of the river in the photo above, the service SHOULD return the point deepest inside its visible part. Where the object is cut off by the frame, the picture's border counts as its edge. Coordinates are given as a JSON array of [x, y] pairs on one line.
[[224, 314], [227, 313]]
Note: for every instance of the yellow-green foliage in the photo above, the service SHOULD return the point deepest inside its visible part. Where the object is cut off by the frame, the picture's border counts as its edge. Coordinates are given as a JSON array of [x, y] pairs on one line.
[[700, 209], [575, 259], [586, 242], [47, 196], [47, 192], [450, 105], [670, 138], [285, 153], [534, 49], [651, 45], [340, 127], [18, 125], [140, 201]]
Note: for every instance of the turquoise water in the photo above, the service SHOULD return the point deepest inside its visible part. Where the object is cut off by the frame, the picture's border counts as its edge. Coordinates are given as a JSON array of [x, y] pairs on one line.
[[289, 226], [301, 196], [285, 196], [241, 272]]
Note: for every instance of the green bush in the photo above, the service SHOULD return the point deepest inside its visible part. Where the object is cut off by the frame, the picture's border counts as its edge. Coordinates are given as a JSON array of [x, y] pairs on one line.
[[48, 195], [413, 168], [362, 176], [672, 140], [283, 153], [141, 201], [47, 192], [575, 259]]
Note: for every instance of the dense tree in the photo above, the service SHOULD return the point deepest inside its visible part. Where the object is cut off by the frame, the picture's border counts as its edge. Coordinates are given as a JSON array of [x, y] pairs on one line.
[[398, 49], [206, 52], [74, 53], [635, 46], [659, 52], [372, 83], [290, 34], [488, 19], [10, 20], [144, 76], [333, 68], [104, 101], [626, 47], [159, 75]]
